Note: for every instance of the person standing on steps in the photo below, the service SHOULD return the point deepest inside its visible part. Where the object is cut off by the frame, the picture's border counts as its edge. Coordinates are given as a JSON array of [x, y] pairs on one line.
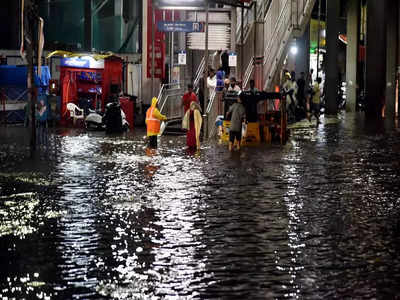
[[225, 63], [188, 98]]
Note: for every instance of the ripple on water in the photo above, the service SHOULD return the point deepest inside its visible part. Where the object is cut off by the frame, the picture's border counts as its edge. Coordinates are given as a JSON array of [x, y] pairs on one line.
[[315, 219]]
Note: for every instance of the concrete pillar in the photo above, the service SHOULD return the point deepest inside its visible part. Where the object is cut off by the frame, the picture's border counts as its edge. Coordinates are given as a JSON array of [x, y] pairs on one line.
[[233, 28], [332, 70], [234, 25], [376, 57], [88, 31], [391, 57], [303, 54], [352, 76], [258, 72], [147, 93], [10, 33], [397, 91]]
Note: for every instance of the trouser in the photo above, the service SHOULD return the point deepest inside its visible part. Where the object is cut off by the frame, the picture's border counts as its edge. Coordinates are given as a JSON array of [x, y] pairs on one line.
[[153, 141], [316, 110], [42, 135]]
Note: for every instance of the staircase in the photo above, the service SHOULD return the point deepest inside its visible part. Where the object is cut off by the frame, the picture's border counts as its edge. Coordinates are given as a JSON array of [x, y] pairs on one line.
[[283, 21], [280, 21], [248, 38]]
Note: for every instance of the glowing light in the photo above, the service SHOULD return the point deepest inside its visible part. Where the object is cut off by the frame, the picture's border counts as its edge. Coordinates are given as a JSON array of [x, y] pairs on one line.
[[294, 50]]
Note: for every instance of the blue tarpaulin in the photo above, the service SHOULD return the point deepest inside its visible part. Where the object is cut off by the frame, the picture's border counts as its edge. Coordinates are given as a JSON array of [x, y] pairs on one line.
[[17, 76], [13, 84]]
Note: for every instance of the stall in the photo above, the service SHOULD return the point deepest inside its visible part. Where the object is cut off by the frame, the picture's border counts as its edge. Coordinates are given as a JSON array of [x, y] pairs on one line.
[[88, 80]]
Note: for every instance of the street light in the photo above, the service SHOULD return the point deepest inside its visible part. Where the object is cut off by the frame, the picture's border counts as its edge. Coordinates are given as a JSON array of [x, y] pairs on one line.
[[294, 49]]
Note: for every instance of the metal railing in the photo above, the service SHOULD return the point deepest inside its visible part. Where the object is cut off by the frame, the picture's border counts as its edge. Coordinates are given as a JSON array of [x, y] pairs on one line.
[[248, 22], [248, 73], [168, 92], [248, 53], [199, 74], [212, 113], [172, 106], [262, 6], [281, 21]]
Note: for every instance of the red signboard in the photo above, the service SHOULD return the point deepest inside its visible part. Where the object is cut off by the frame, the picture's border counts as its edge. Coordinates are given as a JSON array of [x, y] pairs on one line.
[[159, 44]]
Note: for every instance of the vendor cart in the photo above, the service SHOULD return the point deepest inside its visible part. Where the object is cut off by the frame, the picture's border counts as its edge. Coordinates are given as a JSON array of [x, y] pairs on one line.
[[271, 124], [88, 80]]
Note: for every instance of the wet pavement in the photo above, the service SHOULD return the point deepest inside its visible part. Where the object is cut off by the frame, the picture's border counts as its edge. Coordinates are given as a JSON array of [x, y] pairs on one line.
[[92, 216]]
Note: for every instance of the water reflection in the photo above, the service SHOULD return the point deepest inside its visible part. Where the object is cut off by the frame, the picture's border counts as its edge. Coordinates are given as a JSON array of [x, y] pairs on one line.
[[311, 220], [78, 236]]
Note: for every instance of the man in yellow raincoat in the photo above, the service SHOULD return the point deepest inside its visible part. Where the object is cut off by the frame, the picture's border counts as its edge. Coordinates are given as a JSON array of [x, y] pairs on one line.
[[153, 122]]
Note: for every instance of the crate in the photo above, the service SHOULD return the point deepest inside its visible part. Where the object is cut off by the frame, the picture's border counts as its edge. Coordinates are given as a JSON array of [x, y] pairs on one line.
[[225, 131]]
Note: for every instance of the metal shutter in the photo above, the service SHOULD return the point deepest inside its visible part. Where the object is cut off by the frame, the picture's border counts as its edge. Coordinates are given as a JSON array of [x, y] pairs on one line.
[[219, 37]]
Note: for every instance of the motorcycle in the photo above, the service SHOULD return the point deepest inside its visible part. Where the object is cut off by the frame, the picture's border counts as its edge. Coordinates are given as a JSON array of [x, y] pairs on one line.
[[94, 120], [340, 99], [112, 121]]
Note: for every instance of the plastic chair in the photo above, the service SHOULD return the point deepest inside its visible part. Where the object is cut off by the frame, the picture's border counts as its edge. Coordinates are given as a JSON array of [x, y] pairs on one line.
[[75, 112]]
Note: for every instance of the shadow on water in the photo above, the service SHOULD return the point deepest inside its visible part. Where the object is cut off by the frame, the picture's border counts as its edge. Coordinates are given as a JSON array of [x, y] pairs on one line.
[[93, 216]]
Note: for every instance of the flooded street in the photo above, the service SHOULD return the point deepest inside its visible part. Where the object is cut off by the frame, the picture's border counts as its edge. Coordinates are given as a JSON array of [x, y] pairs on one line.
[[98, 217]]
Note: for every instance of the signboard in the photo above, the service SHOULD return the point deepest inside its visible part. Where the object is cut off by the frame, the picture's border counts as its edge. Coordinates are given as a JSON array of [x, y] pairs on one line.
[[182, 57], [175, 76], [82, 62], [159, 45], [232, 59], [180, 26]]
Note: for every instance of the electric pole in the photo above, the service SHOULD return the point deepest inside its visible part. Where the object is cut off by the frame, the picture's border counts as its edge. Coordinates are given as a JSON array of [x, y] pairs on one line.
[[29, 28]]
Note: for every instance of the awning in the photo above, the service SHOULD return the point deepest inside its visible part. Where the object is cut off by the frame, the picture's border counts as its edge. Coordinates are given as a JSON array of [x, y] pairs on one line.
[[63, 53]]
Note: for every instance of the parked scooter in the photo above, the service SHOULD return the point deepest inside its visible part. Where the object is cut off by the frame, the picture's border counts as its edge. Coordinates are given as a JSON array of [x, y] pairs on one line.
[[94, 120], [113, 120]]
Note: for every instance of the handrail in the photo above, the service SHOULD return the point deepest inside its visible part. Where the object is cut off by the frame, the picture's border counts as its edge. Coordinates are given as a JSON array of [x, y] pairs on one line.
[[160, 92], [266, 7], [163, 105], [199, 73], [163, 87], [211, 102], [209, 109], [248, 72], [289, 18], [239, 24], [271, 40], [262, 7]]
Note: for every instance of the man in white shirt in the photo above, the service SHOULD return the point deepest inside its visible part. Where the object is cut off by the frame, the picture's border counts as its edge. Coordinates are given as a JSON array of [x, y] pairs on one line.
[[211, 82], [233, 86]]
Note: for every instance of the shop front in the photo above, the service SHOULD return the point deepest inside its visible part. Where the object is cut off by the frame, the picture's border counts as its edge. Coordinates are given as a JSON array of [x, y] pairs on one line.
[[89, 81]]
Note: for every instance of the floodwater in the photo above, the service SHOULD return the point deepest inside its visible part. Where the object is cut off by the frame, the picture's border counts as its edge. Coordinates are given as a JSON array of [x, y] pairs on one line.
[[92, 216]]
